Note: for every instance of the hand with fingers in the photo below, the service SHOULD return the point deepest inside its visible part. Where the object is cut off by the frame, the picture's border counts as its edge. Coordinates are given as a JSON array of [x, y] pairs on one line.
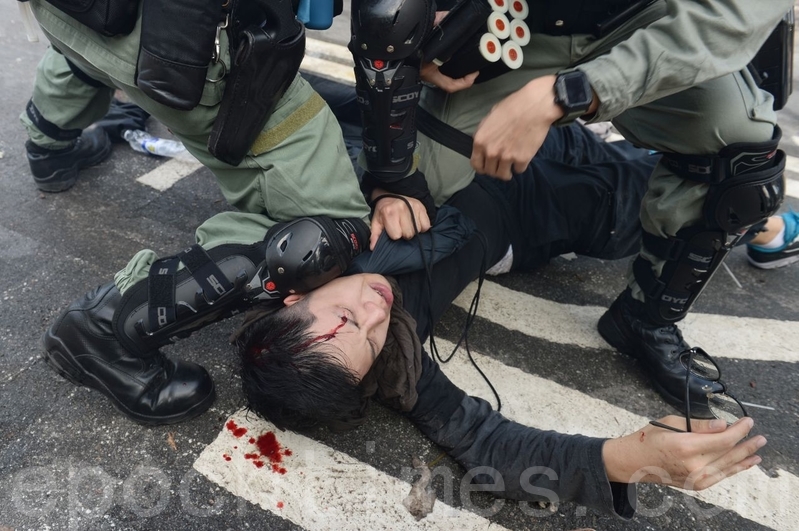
[[400, 216], [711, 453], [430, 73], [512, 132]]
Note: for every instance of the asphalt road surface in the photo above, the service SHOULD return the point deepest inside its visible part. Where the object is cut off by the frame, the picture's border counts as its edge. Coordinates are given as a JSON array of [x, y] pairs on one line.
[[69, 461]]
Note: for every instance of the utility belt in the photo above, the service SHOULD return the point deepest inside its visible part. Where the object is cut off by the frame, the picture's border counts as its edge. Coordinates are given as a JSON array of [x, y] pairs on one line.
[[181, 38]]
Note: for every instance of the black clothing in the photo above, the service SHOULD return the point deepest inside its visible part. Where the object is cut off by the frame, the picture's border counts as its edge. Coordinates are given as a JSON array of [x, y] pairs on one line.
[[578, 195], [584, 199]]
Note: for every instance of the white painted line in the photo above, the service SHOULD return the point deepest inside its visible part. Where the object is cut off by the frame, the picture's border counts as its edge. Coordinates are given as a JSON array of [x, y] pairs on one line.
[[321, 488], [791, 187], [792, 164], [328, 50], [538, 402], [791, 175], [329, 60], [167, 174], [322, 67], [723, 336]]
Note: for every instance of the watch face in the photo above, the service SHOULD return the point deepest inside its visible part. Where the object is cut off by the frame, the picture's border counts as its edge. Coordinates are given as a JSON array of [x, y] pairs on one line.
[[576, 91], [573, 94]]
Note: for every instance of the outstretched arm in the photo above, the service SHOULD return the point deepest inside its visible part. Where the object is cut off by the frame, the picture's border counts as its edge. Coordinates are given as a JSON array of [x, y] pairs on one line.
[[539, 465]]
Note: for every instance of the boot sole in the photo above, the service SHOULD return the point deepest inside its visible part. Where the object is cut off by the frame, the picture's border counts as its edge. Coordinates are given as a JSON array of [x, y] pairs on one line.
[[58, 358], [64, 179], [774, 264], [616, 338]]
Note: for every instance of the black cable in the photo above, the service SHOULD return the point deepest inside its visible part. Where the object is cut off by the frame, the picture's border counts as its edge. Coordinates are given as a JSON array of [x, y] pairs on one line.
[[471, 314]]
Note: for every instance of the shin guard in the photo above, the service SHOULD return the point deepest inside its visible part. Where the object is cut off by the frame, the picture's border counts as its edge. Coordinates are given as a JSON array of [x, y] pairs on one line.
[[746, 187]]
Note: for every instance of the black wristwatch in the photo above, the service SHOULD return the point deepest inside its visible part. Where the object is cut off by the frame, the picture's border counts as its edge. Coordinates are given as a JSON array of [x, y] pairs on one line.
[[574, 94]]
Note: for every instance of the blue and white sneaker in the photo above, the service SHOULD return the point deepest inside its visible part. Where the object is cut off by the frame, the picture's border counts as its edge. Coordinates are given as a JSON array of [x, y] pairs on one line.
[[788, 253]]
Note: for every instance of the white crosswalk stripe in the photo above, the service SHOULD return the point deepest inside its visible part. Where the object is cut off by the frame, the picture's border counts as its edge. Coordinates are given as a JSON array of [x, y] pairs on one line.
[[730, 337], [321, 488], [167, 174]]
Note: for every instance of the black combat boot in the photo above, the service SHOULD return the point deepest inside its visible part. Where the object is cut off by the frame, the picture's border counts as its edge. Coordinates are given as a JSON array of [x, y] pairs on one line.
[[658, 348], [83, 347], [56, 170]]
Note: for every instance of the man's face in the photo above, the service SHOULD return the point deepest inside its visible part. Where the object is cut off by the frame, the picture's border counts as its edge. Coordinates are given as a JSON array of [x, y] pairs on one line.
[[352, 314]]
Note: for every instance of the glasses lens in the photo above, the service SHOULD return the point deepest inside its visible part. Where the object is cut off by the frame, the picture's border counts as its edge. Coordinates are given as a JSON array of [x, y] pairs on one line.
[[724, 407], [704, 367]]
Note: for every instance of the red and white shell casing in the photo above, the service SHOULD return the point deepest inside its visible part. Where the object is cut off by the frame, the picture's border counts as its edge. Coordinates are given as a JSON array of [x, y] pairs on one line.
[[490, 47], [518, 9], [519, 32], [499, 25], [512, 55], [500, 6]]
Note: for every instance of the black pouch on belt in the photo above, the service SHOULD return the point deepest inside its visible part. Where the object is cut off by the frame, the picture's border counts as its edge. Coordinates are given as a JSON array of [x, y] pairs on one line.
[[177, 43], [266, 59], [108, 17], [772, 67]]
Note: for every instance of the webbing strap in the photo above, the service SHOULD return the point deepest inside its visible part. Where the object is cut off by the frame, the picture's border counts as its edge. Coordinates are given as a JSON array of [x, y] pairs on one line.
[[443, 133], [205, 271], [162, 283], [49, 128], [161, 292], [664, 248]]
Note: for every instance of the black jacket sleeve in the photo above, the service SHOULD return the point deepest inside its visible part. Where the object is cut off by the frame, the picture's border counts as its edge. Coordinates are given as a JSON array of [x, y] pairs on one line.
[[534, 465]]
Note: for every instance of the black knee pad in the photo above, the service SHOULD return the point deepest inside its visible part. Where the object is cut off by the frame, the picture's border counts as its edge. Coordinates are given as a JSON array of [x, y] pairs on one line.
[[294, 257], [746, 186]]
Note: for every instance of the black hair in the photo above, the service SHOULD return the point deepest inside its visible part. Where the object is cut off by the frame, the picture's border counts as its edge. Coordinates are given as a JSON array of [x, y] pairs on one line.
[[293, 381]]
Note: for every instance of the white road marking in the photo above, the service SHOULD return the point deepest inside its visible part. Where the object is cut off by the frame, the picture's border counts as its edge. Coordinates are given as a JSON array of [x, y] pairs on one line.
[[538, 402], [329, 69], [329, 60], [167, 174], [792, 175], [328, 50], [792, 187], [321, 489], [724, 336]]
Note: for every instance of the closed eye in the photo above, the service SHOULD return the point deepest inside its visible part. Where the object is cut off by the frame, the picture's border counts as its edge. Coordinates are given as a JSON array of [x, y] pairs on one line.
[[351, 318], [372, 345]]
